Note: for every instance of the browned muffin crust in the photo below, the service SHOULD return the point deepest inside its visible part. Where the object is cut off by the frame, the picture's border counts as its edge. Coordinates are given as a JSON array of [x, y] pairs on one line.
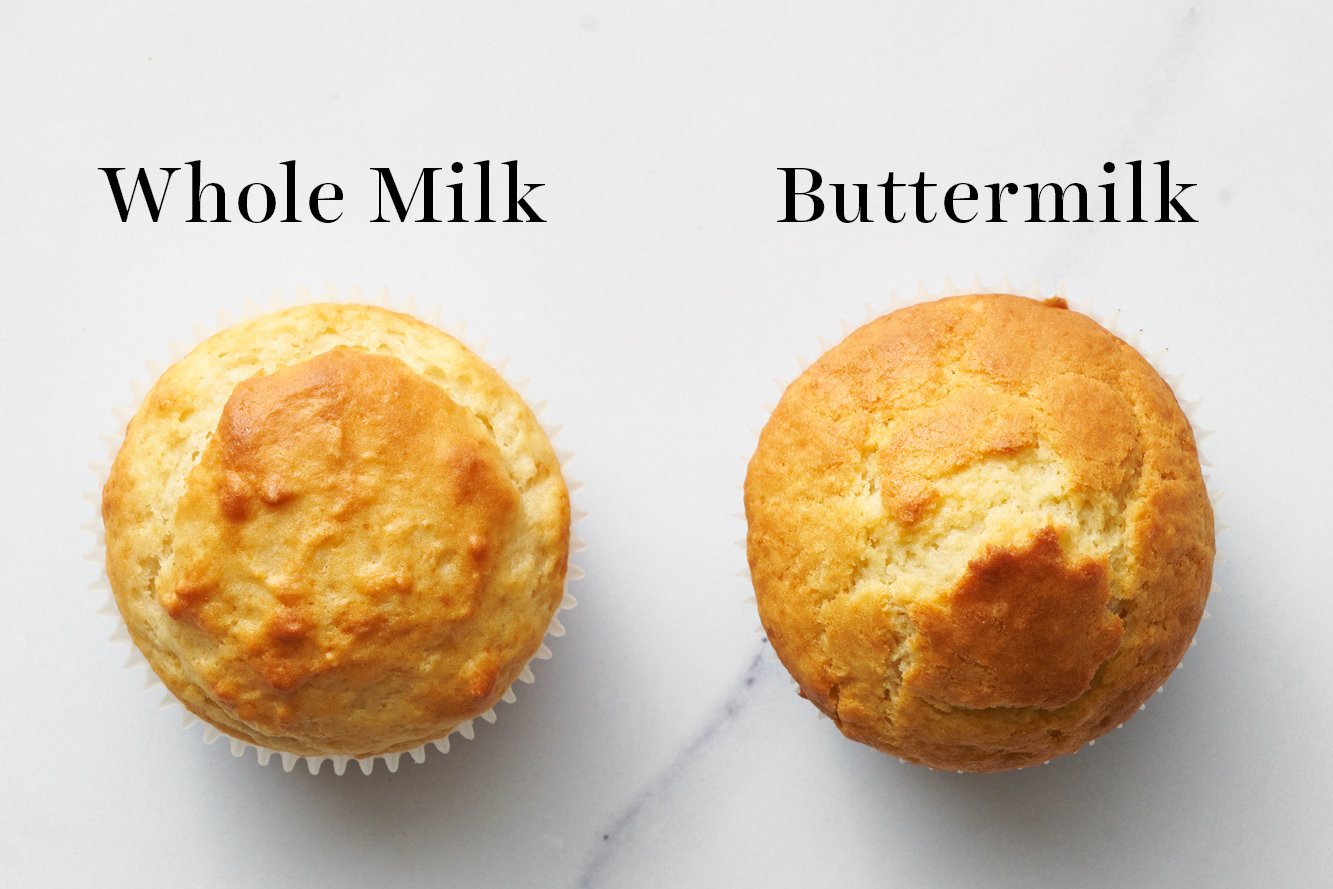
[[334, 530], [978, 532]]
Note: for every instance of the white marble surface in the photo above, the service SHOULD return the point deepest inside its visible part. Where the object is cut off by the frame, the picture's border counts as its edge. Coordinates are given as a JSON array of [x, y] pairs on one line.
[[656, 312]]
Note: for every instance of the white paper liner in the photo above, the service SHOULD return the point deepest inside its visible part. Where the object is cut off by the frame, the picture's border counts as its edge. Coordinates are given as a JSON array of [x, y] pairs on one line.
[[135, 659], [1112, 323]]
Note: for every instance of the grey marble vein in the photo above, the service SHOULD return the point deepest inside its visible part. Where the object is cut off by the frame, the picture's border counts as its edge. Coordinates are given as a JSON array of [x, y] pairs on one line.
[[614, 836], [1174, 57]]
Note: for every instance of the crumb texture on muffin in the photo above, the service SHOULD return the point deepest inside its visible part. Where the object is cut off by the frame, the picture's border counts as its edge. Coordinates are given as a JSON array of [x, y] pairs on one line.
[[335, 530], [978, 532]]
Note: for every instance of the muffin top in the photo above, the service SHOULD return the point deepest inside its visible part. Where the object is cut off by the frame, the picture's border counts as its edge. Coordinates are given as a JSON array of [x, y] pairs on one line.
[[335, 530], [978, 532]]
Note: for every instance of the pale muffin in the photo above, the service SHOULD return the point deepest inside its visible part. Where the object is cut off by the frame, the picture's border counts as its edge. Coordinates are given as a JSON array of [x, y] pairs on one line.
[[334, 530]]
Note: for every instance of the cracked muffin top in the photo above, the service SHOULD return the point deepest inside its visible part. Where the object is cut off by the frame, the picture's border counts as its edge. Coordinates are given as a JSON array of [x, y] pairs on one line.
[[335, 530], [978, 532]]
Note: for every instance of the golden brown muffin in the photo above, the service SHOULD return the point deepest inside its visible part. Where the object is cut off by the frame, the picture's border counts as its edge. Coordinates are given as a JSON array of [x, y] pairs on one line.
[[335, 530], [978, 532]]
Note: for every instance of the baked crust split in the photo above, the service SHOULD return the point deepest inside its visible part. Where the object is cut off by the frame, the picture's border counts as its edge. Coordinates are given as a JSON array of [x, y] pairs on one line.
[[978, 532]]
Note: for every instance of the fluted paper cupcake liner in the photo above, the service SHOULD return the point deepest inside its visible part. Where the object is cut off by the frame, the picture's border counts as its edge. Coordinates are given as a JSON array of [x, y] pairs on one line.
[[135, 660], [1112, 322]]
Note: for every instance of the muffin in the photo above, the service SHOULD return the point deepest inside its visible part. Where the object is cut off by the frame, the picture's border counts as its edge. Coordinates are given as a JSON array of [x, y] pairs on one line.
[[978, 532], [334, 530]]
